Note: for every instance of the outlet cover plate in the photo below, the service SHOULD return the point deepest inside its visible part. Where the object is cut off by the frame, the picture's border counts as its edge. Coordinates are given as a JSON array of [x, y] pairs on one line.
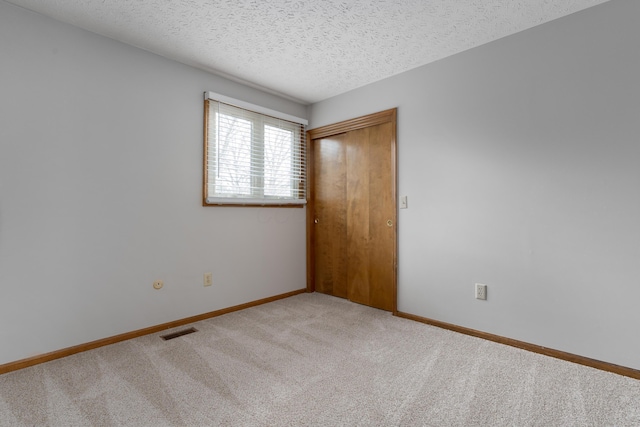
[[481, 291], [208, 279]]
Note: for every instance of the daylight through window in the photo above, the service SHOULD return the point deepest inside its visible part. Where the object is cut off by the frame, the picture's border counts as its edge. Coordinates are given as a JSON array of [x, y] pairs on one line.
[[253, 158]]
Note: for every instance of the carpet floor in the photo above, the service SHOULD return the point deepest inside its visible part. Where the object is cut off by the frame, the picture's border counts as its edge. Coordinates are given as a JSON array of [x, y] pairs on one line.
[[315, 360]]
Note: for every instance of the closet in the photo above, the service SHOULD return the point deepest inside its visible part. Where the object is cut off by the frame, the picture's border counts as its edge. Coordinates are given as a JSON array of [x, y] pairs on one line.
[[351, 215]]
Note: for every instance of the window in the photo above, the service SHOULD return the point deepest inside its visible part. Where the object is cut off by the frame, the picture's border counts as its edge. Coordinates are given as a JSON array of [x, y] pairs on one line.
[[253, 156]]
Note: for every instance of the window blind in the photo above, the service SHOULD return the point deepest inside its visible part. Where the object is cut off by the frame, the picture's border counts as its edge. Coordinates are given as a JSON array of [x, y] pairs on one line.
[[253, 158]]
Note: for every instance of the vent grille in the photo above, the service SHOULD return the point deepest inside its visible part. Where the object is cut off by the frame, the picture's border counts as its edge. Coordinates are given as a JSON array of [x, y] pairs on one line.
[[178, 334]]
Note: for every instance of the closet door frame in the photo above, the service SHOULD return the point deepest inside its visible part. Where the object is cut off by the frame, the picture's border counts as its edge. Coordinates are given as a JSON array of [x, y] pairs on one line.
[[387, 116]]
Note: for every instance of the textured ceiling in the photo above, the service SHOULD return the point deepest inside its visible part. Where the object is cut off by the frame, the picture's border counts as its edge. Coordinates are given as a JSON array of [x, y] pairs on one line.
[[307, 50]]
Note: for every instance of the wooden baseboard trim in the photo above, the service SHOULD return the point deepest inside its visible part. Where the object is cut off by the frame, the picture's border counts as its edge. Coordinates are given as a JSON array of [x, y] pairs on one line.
[[58, 354], [569, 357]]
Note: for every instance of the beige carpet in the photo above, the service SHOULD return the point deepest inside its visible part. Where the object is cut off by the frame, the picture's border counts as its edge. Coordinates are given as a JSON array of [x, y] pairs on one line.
[[315, 360]]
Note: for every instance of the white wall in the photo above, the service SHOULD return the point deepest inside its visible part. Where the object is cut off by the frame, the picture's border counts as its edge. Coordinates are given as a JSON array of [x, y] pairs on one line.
[[521, 162], [100, 183]]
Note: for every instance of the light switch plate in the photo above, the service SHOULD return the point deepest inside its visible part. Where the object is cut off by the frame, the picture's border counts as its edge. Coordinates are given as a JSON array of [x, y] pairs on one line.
[[403, 202]]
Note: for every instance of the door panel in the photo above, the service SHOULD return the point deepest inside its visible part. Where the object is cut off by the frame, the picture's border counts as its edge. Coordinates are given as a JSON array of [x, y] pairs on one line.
[[358, 216], [382, 209], [331, 214]]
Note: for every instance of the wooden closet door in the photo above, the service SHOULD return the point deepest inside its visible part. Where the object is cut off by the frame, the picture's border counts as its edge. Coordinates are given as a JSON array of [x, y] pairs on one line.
[[370, 217], [330, 219], [352, 214]]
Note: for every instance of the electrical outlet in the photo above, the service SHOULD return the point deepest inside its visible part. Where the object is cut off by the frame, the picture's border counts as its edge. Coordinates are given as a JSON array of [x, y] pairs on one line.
[[158, 284], [208, 279], [481, 291]]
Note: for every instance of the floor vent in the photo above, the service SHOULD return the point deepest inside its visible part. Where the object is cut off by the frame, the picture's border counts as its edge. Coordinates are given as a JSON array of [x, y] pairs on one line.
[[178, 334]]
